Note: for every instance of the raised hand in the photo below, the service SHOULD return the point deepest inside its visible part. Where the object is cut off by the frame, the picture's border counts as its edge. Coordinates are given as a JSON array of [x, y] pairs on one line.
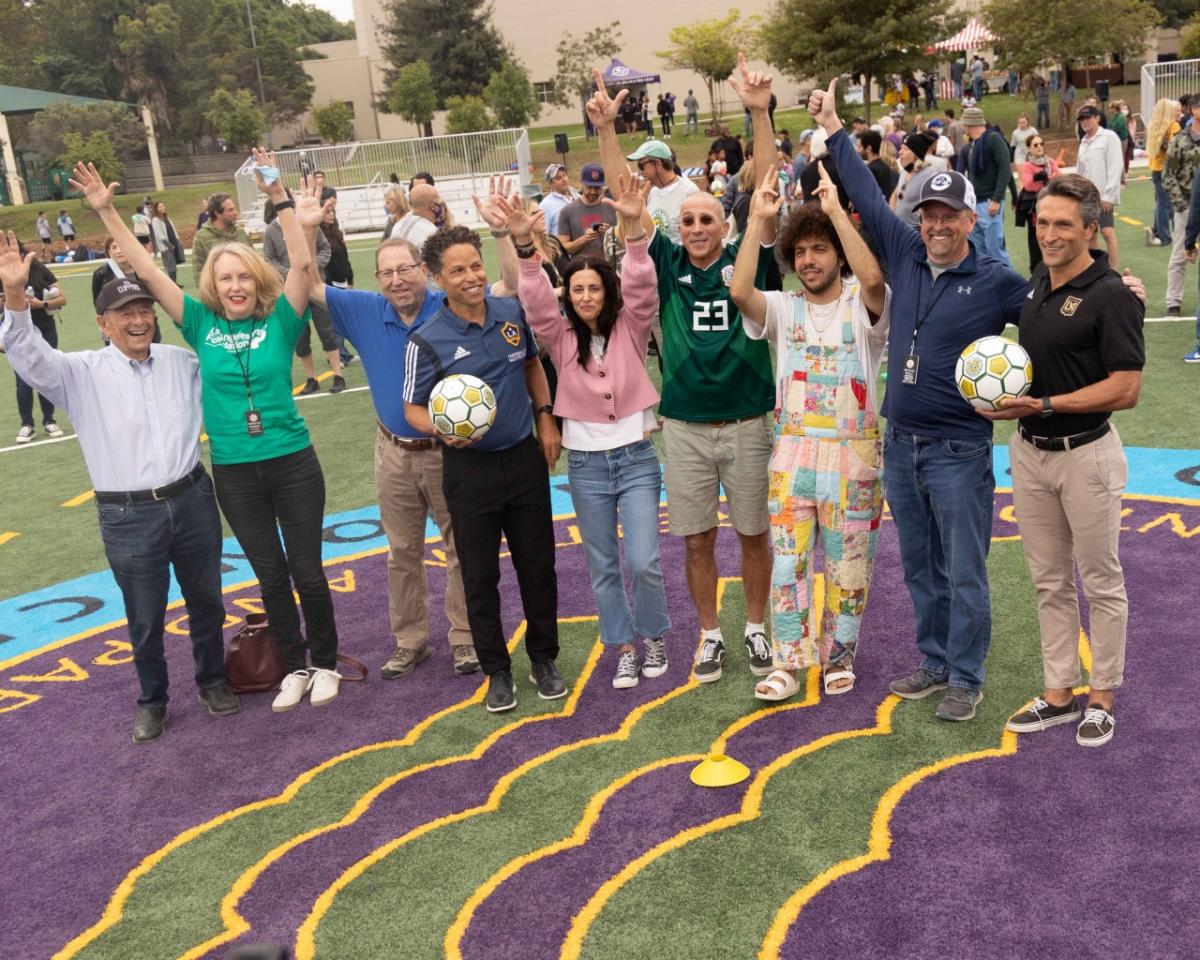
[[493, 216], [602, 109], [264, 160], [512, 215], [14, 269], [755, 88], [631, 198], [87, 180], [766, 201], [310, 211], [827, 192], [822, 104]]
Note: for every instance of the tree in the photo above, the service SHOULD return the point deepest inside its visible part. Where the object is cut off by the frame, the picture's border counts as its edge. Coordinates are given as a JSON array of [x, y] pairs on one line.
[[1175, 15], [49, 129], [1189, 47], [710, 48], [412, 96], [97, 148], [236, 118], [819, 38], [576, 57], [456, 35], [1066, 31], [148, 47], [335, 121], [510, 95], [467, 114]]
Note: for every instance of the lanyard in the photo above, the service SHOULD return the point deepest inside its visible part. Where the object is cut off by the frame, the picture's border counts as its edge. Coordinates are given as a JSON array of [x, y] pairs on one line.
[[921, 317], [244, 366]]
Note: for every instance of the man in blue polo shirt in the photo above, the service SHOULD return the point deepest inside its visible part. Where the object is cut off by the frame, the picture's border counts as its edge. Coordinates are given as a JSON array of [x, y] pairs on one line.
[[499, 483]]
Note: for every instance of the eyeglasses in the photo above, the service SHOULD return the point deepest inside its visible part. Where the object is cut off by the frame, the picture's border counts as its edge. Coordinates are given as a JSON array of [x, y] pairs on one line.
[[1036, 143], [939, 221], [407, 270]]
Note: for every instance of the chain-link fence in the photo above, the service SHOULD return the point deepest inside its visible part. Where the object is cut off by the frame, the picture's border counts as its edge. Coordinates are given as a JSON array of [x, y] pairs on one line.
[[460, 163]]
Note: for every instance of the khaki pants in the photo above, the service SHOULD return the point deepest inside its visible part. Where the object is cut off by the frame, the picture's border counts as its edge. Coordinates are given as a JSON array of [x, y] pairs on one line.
[[1178, 262], [1068, 506], [410, 488]]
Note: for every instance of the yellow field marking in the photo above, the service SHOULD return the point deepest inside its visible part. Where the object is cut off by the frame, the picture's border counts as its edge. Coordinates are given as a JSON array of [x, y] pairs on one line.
[[750, 810], [306, 938], [10, 535], [235, 923], [1130, 221], [81, 499], [591, 814], [115, 908], [879, 846]]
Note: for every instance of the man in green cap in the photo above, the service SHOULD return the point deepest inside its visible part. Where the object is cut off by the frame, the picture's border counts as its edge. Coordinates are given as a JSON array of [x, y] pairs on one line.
[[988, 169], [656, 163]]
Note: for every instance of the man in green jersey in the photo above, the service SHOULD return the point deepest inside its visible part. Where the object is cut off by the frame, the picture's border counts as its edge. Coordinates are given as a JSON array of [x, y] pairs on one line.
[[718, 387]]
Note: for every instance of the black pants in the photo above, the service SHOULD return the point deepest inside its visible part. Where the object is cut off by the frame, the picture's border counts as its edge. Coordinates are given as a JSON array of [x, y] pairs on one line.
[[506, 491], [260, 500], [49, 333]]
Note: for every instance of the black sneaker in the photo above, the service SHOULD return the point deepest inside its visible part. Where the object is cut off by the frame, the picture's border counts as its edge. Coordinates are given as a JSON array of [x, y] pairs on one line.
[[548, 680], [1173, 311], [758, 651], [500, 695], [1096, 727], [338, 385], [1041, 715], [310, 386], [918, 685], [654, 658], [959, 704], [708, 664]]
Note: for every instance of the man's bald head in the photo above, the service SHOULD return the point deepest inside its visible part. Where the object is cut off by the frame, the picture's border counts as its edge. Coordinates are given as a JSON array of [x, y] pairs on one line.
[[703, 202], [422, 198], [702, 228]]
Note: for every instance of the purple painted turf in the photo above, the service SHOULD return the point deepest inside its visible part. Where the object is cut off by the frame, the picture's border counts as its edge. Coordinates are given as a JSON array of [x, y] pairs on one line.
[[74, 845]]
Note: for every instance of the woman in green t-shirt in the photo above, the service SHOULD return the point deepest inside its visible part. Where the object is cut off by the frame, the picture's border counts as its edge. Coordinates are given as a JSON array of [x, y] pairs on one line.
[[244, 328]]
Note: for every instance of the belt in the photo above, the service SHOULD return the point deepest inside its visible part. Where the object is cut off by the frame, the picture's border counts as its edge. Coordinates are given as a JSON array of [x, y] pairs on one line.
[[158, 493], [406, 442], [728, 423], [1064, 443]]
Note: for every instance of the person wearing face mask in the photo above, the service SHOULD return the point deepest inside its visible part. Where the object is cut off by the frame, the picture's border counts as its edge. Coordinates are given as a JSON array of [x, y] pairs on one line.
[[829, 341], [1037, 171], [597, 334], [914, 172], [267, 476]]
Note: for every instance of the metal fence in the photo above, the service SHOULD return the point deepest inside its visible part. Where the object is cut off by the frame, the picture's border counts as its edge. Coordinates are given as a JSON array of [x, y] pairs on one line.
[[1175, 79], [460, 163]]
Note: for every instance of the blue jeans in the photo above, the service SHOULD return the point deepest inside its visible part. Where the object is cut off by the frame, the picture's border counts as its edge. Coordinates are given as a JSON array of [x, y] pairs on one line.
[[989, 233], [1162, 209], [143, 541], [940, 493], [624, 481]]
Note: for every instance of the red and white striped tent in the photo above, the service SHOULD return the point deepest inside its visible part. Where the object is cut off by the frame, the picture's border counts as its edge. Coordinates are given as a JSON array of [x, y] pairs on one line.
[[970, 37]]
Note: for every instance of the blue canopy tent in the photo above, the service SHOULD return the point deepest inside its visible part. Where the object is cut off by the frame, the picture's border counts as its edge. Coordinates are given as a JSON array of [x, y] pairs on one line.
[[619, 76]]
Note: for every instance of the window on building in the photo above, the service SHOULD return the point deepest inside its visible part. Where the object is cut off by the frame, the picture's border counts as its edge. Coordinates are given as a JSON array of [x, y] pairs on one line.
[[349, 106], [544, 90]]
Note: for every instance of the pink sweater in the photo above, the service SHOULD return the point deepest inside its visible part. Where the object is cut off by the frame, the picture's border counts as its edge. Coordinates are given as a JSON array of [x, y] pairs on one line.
[[621, 387]]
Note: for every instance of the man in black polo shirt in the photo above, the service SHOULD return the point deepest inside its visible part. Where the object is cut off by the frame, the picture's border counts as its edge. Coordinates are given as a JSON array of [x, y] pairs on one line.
[[1082, 328]]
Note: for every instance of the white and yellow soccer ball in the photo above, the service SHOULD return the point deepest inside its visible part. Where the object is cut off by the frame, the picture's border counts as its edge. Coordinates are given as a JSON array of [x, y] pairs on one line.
[[462, 406], [992, 369]]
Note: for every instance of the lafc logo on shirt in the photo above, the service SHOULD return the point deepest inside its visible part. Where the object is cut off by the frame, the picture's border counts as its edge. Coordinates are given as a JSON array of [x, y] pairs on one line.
[[511, 333], [1070, 305], [236, 342]]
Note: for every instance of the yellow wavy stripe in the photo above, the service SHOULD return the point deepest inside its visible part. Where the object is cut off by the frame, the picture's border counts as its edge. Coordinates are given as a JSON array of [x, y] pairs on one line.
[[115, 909], [236, 925], [879, 846], [591, 814], [306, 935], [750, 810]]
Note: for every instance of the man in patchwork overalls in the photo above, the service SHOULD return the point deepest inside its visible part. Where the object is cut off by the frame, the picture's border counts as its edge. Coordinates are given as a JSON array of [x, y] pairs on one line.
[[825, 470]]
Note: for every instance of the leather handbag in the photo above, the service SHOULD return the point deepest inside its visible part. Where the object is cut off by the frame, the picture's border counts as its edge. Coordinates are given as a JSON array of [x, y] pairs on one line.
[[252, 662]]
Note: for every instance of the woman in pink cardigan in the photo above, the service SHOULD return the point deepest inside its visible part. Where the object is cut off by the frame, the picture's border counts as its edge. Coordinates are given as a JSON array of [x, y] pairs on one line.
[[597, 335]]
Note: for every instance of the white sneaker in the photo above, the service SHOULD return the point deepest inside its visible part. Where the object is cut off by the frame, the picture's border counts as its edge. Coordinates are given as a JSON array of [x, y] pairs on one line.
[[295, 685], [52, 429], [324, 687], [25, 434]]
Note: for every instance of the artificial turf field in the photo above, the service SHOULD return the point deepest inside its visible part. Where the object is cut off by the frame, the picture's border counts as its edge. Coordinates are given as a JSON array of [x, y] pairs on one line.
[[405, 822]]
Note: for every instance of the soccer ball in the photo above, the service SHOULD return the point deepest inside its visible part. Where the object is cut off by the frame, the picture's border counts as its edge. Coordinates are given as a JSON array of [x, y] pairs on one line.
[[462, 406], [991, 369]]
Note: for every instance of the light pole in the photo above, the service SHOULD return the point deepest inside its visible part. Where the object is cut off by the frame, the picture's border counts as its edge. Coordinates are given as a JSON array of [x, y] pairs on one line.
[[262, 97]]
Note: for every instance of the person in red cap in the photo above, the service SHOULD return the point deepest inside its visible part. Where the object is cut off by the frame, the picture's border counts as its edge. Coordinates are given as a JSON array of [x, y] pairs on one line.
[[583, 222]]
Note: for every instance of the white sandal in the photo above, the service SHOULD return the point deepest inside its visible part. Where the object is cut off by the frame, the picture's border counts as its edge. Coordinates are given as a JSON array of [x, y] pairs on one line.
[[780, 685], [833, 676]]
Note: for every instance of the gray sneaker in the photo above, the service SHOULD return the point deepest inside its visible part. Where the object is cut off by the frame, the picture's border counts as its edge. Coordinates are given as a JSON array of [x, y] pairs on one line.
[[465, 659], [654, 657], [918, 685], [627, 671], [403, 662], [959, 704]]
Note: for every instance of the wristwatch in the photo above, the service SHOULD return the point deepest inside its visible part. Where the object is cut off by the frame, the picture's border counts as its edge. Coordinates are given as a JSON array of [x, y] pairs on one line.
[[1047, 409], [545, 408]]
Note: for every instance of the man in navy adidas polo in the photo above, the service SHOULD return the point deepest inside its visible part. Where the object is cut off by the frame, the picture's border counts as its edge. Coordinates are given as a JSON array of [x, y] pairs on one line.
[[500, 483]]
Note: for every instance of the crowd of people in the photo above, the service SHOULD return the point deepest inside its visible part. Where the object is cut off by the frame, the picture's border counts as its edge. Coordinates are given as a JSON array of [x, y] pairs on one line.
[[910, 266]]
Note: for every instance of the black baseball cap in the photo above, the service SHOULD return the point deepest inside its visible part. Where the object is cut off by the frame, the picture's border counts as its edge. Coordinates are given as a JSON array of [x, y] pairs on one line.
[[120, 291], [1087, 110]]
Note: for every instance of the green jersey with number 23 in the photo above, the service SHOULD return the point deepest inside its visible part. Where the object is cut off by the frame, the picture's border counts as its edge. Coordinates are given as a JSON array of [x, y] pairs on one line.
[[711, 369]]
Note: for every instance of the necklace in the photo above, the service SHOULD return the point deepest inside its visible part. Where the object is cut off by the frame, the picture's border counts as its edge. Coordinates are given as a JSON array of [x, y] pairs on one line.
[[819, 312]]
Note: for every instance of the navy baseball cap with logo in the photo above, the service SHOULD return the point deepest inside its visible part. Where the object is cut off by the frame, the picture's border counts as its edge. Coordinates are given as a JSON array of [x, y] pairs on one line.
[[120, 291], [592, 175], [950, 188]]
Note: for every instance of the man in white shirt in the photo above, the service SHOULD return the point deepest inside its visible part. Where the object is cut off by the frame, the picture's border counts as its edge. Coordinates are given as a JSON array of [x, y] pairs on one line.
[[136, 408], [1102, 160], [656, 163], [420, 223], [561, 194]]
